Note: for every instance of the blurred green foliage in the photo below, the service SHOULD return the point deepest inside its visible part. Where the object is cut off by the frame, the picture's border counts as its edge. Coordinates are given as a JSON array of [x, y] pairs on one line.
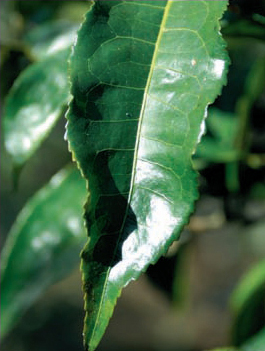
[[230, 158]]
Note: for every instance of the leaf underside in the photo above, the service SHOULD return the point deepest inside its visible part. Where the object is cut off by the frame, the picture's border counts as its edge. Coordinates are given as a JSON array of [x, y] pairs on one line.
[[143, 73]]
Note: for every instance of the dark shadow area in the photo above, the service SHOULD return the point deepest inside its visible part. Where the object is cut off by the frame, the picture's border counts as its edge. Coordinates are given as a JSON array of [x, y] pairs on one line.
[[109, 217]]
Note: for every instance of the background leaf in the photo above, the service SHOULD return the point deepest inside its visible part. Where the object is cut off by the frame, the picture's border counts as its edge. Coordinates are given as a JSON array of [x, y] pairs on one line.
[[248, 304], [34, 104], [143, 74], [219, 146], [48, 38], [256, 343], [43, 245]]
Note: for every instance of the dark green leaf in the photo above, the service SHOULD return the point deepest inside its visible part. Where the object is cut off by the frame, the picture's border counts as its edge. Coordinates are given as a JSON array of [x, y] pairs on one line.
[[34, 104], [254, 88], [246, 28], [43, 245], [143, 73]]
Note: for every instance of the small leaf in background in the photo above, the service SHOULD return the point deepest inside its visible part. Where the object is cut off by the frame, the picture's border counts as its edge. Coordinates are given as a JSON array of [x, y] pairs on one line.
[[219, 146], [246, 28], [248, 304], [143, 74], [253, 91], [34, 104], [43, 245], [256, 343], [49, 38]]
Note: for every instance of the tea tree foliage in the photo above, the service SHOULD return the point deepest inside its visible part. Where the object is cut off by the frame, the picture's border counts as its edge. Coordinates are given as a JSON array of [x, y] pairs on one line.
[[137, 79], [143, 74]]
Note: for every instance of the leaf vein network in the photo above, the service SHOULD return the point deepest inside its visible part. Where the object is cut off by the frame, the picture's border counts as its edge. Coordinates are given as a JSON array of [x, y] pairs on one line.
[[121, 86], [114, 194], [169, 169], [134, 38], [114, 149], [163, 142], [115, 121], [179, 71], [141, 4], [155, 192], [166, 103]]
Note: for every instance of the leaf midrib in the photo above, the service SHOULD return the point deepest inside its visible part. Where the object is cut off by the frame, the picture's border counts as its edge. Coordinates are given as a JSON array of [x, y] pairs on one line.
[[137, 143], [138, 137]]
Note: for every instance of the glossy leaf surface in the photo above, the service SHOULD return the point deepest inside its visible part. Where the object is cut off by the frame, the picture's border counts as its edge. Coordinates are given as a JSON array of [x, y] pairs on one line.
[[49, 38], [43, 245], [34, 104], [143, 73]]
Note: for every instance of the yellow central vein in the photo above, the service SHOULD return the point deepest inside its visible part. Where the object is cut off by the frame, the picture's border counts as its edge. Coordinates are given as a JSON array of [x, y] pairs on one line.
[[167, 8], [138, 137]]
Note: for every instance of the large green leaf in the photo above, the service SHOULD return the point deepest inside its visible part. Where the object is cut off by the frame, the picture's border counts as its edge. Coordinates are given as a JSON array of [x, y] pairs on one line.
[[43, 244], [34, 104], [143, 73]]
